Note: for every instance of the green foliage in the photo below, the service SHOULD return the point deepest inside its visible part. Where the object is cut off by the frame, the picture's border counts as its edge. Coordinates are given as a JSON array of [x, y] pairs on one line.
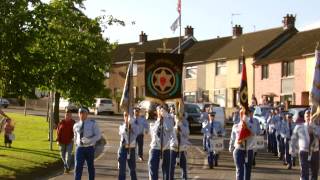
[[30, 151]]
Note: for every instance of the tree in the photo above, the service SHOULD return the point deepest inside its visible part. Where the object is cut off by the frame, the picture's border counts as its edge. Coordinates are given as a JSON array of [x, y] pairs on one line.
[[18, 77], [75, 53]]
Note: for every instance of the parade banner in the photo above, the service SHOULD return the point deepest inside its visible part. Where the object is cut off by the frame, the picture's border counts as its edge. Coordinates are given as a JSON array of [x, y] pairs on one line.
[[315, 91], [163, 76], [127, 94]]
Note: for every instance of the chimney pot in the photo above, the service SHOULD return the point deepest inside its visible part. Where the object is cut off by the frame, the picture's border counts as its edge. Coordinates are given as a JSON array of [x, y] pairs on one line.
[[289, 21], [188, 31], [143, 38], [236, 31]]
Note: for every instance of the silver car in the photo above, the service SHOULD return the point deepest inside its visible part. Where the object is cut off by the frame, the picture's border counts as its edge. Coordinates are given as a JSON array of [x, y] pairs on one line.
[[4, 103]]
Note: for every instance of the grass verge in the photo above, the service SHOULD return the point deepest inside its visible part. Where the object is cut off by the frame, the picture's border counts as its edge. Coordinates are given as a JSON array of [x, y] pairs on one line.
[[30, 155]]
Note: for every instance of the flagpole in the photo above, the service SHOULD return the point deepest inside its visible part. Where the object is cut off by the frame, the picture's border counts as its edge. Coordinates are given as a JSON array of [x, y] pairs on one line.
[[179, 50]]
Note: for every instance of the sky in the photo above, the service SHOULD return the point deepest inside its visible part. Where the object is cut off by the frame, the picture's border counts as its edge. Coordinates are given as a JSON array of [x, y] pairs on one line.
[[209, 18]]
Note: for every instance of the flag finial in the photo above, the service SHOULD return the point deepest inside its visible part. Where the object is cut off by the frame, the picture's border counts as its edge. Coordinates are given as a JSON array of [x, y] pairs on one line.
[[132, 50], [242, 50]]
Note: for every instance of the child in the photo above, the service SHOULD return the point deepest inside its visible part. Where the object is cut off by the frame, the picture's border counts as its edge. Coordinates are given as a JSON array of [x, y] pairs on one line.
[[8, 133]]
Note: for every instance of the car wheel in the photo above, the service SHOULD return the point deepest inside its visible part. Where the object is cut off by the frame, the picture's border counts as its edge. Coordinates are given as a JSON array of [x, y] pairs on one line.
[[96, 112]]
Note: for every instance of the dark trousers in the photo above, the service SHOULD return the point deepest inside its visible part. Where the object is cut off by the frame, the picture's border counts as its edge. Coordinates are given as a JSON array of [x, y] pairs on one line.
[[84, 154], [243, 168], [154, 161], [274, 143], [282, 148], [204, 142], [139, 140], [269, 142], [314, 165], [123, 159], [182, 163], [288, 158]]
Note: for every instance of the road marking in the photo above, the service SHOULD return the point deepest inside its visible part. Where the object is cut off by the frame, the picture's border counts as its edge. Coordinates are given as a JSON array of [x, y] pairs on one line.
[[201, 151], [196, 177]]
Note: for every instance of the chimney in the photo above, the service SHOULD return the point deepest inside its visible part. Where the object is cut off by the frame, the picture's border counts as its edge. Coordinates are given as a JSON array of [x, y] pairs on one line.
[[288, 21], [188, 31], [143, 38], [236, 31]]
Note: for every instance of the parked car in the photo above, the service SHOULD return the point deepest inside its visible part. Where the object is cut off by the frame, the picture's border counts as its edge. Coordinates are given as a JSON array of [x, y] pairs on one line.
[[193, 117], [261, 113], [4, 103], [220, 115], [149, 109], [295, 112], [66, 104], [202, 106], [102, 105]]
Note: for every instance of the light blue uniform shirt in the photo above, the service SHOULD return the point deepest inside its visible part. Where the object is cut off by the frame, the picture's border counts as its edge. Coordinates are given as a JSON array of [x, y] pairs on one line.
[[235, 135], [155, 131], [142, 124], [184, 137], [301, 137], [91, 133], [124, 133]]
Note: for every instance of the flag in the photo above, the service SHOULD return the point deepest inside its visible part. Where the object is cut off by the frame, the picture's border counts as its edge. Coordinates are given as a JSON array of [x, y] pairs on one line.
[[163, 76], [243, 92], [315, 91], [175, 24], [243, 96], [126, 101], [179, 7]]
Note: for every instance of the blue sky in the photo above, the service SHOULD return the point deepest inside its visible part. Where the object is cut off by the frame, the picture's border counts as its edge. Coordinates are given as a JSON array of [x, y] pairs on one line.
[[210, 18]]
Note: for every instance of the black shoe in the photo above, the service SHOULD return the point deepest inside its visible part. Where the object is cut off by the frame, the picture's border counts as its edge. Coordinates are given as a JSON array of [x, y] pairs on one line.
[[211, 167], [289, 166]]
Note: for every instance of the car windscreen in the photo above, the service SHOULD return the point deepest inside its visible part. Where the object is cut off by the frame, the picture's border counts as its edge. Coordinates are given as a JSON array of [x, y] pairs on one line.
[[192, 108], [106, 101]]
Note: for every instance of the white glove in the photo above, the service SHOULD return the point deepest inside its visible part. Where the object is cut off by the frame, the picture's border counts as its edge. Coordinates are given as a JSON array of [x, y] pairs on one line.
[[85, 140], [231, 148]]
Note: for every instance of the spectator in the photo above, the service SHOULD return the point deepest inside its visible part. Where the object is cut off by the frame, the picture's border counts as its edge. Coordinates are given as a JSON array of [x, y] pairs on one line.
[[8, 133], [65, 139]]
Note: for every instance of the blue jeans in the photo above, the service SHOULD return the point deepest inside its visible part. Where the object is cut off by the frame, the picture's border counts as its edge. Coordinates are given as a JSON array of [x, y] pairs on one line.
[[84, 154], [243, 169], [183, 164], [154, 160], [123, 159], [140, 145], [65, 153]]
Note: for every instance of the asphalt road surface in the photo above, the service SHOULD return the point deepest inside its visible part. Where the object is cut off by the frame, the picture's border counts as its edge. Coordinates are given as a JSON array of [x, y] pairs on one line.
[[267, 168]]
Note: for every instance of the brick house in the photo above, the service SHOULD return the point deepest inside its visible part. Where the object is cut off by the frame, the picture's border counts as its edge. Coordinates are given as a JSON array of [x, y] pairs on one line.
[[226, 67], [286, 74]]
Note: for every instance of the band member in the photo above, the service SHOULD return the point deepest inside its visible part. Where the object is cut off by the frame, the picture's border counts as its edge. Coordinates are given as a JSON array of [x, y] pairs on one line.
[[307, 136], [212, 129], [126, 153], [278, 121], [288, 129], [204, 119], [243, 150], [272, 121], [257, 132], [161, 131], [178, 147], [86, 134], [143, 128]]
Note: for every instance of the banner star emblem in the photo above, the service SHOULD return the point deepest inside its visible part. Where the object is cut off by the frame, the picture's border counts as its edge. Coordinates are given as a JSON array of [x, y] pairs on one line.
[[163, 80]]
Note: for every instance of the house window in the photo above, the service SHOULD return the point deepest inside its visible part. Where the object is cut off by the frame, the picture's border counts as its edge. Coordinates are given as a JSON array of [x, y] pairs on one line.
[[135, 69], [191, 72], [190, 97], [287, 68], [221, 68], [240, 63], [265, 71]]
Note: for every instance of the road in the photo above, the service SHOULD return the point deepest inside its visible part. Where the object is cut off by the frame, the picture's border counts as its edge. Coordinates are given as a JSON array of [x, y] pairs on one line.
[[267, 168]]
